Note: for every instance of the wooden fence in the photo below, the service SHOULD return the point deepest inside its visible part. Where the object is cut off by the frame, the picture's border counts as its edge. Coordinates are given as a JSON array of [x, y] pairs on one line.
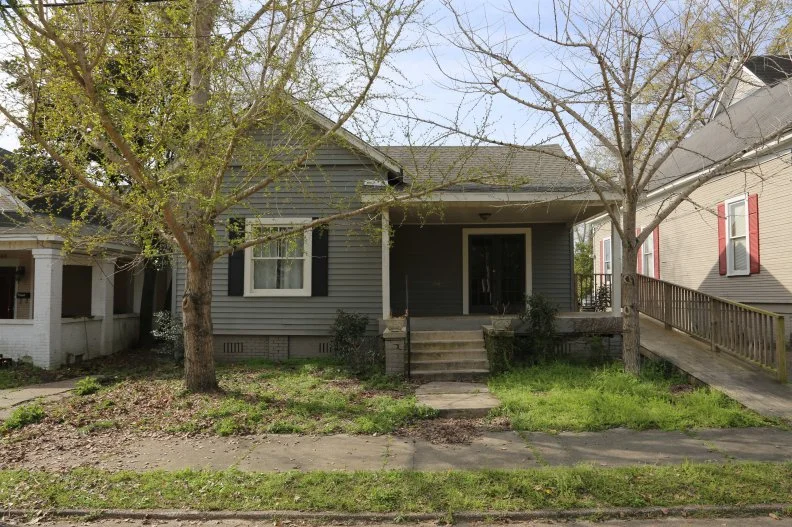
[[746, 332]]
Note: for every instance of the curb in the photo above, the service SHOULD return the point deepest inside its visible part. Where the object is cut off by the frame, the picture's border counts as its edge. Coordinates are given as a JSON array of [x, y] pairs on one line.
[[541, 514]]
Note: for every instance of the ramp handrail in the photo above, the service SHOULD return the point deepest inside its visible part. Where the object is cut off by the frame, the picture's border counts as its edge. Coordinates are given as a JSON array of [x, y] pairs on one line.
[[747, 332]]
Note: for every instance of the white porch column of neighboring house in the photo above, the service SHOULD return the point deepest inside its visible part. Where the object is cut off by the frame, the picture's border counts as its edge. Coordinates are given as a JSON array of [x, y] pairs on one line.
[[102, 278], [616, 270], [47, 305], [386, 302]]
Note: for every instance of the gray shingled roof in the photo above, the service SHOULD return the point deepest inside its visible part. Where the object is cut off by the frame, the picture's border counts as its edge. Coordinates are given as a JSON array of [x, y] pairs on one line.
[[742, 126], [771, 69], [492, 167]]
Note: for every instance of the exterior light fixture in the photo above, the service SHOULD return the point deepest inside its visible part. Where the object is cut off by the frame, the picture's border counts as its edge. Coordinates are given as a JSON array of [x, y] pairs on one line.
[[19, 273], [485, 215]]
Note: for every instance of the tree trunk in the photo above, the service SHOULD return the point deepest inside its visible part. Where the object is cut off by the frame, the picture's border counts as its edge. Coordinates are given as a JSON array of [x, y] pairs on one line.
[[631, 331], [199, 367]]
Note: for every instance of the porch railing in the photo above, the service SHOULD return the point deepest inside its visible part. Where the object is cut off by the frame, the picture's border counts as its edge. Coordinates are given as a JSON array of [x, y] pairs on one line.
[[593, 291], [749, 333]]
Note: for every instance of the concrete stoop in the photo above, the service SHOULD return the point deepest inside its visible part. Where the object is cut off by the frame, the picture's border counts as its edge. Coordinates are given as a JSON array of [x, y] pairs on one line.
[[457, 399], [448, 356]]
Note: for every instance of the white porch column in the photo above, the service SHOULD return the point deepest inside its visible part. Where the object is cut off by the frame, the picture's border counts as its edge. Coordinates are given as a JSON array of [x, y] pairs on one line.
[[47, 304], [102, 278], [386, 300], [616, 270]]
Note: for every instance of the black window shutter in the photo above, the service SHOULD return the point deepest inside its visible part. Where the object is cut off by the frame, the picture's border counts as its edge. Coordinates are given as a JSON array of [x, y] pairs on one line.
[[236, 260], [320, 249]]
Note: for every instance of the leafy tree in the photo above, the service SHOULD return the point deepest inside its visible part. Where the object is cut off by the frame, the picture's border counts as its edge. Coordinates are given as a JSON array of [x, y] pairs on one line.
[[584, 258], [165, 116]]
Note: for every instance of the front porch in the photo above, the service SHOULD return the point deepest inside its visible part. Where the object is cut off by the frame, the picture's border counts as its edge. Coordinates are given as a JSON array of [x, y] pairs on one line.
[[57, 309], [451, 270]]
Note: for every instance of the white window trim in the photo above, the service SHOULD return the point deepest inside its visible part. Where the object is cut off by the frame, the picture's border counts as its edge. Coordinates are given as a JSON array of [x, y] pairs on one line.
[[307, 250], [605, 261], [646, 249], [730, 270]]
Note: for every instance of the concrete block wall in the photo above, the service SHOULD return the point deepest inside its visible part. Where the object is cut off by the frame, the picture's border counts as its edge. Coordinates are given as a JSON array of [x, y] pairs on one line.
[[230, 348]]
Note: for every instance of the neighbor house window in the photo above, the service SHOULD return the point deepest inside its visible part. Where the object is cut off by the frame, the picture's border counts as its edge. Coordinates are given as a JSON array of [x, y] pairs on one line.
[[279, 267], [607, 259], [737, 242], [647, 253]]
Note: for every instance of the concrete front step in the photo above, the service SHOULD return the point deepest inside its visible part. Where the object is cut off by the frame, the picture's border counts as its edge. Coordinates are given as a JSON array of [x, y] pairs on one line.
[[444, 365], [449, 375], [422, 336], [449, 355], [428, 345], [457, 399]]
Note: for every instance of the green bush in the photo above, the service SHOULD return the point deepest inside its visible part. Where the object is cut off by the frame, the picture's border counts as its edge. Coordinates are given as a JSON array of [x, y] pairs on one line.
[[168, 334], [87, 386], [23, 416], [362, 355], [500, 352], [539, 340]]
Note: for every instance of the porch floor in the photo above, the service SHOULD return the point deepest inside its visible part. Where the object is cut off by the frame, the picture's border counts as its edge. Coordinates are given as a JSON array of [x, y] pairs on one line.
[[747, 384]]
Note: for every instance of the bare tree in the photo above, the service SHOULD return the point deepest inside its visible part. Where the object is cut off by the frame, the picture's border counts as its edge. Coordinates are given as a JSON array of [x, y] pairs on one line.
[[628, 78], [147, 107]]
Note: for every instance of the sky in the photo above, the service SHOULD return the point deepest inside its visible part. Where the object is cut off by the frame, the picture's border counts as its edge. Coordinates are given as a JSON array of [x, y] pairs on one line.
[[428, 87]]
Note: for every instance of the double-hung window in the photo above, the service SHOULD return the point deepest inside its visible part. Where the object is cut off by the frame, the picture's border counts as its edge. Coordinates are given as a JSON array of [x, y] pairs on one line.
[[607, 258], [647, 254], [737, 239], [282, 266]]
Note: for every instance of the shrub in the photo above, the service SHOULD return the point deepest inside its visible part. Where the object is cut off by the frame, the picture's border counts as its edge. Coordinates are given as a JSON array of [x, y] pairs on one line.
[[23, 416], [538, 317], [500, 352], [362, 355], [168, 334], [87, 386]]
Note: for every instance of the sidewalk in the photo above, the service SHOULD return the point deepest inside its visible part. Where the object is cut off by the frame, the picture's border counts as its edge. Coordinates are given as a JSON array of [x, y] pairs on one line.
[[494, 450], [16, 396]]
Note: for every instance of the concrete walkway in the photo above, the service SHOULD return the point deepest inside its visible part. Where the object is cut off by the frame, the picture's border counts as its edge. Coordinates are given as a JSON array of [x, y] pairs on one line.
[[494, 450], [457, 399], [17, 396], [748, 385]]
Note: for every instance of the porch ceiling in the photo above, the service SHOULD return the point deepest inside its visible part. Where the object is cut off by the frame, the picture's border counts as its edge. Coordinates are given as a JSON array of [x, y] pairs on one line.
[[561, 211]]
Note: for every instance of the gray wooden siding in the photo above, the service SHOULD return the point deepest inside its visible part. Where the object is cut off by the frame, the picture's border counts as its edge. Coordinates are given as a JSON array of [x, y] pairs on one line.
[[355, 277], [552, 263], [431, 256]]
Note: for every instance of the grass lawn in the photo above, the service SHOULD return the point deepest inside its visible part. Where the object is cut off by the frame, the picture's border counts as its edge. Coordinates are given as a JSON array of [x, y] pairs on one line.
[[560, 396], [121, 364], [404, 491], [312, 396], [24, 374]]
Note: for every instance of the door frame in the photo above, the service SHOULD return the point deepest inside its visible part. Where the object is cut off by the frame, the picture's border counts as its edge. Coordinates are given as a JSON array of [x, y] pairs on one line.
[[466, 233]]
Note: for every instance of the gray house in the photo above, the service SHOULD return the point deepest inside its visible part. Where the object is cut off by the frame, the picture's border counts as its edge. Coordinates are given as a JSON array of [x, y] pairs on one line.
[[468, 250]]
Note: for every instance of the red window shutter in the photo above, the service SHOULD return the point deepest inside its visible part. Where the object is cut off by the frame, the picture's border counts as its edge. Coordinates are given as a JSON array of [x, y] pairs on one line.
[[722, 238], [640, 253], [656, 251], [602, 256], [753, 231]]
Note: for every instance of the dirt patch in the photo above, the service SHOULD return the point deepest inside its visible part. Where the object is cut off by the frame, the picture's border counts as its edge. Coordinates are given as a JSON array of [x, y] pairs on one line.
[[445, 431], [681, 389]]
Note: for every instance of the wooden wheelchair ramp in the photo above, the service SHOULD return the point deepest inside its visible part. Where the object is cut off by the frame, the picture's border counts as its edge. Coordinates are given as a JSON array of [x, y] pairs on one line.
[[750, 385]]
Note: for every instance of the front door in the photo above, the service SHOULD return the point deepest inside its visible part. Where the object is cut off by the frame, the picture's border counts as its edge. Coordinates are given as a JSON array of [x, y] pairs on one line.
[[7, 282], [496, 273]]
